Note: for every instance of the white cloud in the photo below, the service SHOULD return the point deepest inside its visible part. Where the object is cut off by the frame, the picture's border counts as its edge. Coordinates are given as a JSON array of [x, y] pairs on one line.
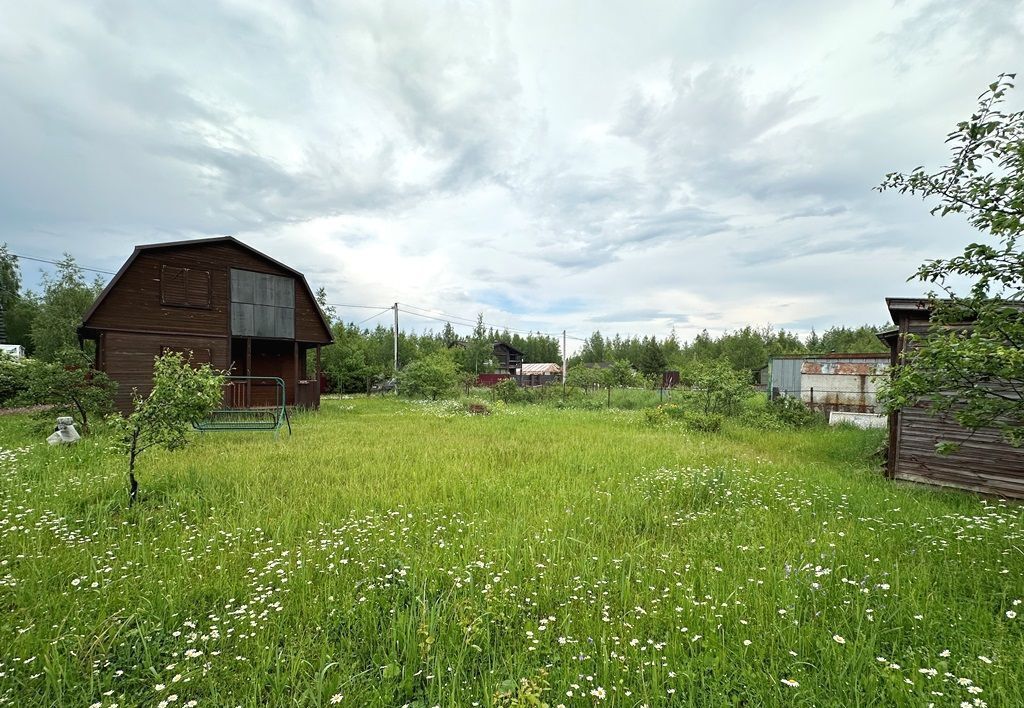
[[630, 167]]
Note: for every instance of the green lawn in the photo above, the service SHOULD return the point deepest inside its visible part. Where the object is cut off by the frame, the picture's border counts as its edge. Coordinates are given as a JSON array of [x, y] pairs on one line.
[[394, 553]]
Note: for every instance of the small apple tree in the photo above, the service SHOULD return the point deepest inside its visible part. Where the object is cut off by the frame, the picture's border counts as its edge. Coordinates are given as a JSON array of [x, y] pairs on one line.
[[182, 395], [71, 383]]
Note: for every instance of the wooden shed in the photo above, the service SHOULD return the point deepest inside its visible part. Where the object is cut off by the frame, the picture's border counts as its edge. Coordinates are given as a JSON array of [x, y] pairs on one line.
[[230, 305], [984, 462]]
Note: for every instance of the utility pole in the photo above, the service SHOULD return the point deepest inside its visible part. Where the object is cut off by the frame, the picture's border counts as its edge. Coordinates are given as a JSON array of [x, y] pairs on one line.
[[395, 308], [563, 363]]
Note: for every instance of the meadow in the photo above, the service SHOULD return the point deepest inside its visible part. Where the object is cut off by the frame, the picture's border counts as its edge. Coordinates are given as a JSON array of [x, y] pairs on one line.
[[396, 553]]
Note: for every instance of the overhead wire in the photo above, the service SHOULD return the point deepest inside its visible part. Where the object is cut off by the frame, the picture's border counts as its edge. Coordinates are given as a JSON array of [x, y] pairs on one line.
[[52, 262], [371, 317], [363, 307], [446, 317]]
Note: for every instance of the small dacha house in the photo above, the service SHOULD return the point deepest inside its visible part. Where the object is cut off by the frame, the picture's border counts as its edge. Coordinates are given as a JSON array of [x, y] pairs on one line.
[[984, 462], [225, 302]]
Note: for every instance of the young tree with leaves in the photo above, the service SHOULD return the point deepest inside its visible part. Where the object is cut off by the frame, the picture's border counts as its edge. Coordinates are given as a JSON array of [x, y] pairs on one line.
[[716, 387], [70, 382], [182, 394], [976, 372]]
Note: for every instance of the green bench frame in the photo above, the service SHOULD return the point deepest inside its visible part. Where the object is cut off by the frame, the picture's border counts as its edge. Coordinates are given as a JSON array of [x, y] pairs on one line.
[[244, 417]]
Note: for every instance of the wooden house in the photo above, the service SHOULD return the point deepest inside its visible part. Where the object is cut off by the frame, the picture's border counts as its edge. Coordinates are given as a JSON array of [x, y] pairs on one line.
[[983, 463], [507, 359], [225, 302]]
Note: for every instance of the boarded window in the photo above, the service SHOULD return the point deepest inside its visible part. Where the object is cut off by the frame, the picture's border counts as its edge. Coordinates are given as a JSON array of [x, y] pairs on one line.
[[184, 287], [262, 305]]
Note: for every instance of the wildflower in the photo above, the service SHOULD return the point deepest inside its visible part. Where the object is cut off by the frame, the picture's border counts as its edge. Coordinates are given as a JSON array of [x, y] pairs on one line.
[[985, 659], [791, 683], [837, 639], [1010, 614], [944, 653], [337, 698], [747, 642], [598, 693]]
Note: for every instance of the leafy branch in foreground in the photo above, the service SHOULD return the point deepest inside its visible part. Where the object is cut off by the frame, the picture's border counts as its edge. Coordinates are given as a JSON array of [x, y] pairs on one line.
[[182, 394], [970, 363]]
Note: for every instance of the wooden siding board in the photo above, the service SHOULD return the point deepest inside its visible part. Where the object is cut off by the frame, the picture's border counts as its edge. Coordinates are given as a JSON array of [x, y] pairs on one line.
[[128, 359], [984, 462]]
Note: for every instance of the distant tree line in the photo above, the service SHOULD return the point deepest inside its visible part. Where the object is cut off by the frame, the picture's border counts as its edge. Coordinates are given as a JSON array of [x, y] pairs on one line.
[[745, 349], [361, 356], [45, 323]]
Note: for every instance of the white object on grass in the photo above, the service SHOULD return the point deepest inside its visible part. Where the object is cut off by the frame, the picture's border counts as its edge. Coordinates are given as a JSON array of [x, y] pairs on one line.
[[65, 432]]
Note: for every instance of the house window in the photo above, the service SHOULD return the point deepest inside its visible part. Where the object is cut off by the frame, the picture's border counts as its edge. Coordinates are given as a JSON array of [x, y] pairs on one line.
[[184, 287]]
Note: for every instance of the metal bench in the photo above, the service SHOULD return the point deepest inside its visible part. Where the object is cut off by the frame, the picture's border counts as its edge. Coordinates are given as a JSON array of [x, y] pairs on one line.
[[249, 403]]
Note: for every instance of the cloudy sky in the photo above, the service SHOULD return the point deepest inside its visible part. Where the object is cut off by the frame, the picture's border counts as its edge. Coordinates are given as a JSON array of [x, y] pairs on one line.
[[624, 166]]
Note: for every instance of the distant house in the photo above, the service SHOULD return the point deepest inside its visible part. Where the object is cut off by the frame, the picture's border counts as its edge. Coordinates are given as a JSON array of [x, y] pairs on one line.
[[540, 374], [225, 302], [14, 351], [507, 359], [983, 463], [829, 382]]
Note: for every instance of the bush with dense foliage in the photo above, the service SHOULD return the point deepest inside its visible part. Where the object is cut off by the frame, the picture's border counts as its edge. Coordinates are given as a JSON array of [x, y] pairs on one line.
[[703, 422], [715, 387], [432, 377], [793, 413]]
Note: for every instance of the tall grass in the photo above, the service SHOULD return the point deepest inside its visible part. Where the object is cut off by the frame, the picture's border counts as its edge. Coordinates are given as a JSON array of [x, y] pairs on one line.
[[393, 553]]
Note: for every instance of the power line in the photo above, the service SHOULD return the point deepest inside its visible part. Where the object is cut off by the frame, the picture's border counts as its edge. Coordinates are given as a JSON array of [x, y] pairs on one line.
[[363, 307], [386, 309], [466, 321], [45, 260]]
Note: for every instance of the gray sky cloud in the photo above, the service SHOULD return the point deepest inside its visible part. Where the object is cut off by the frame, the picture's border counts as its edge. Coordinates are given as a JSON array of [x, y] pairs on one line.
[[640, 165]]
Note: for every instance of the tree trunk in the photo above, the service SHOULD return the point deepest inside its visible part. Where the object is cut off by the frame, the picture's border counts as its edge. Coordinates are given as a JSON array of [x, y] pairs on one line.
[[133, 485], [83, 414]]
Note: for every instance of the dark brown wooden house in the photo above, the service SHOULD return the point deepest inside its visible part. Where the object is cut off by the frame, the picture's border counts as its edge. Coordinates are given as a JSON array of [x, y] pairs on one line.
[[507, 359], [984, 462], [230, 305]]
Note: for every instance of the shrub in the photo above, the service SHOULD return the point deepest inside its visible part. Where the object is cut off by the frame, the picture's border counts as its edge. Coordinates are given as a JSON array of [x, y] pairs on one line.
[[13, 380], [509, 391], [430, 377], [655, 416], [793, 413], [673, 411], [703, 422], [716, 387]]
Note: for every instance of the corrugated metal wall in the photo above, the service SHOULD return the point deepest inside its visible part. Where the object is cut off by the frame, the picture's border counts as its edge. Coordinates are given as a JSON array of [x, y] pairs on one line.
[[785, 377], [829, 383]]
